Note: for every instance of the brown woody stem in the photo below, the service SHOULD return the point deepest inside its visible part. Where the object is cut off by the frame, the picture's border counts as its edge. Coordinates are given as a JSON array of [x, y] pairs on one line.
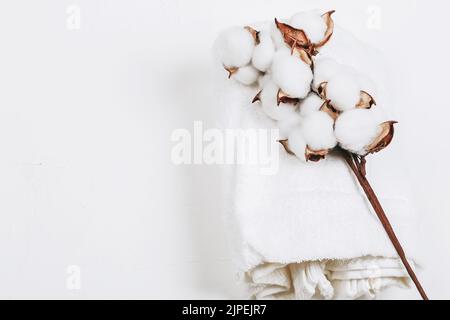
[[357, 165]]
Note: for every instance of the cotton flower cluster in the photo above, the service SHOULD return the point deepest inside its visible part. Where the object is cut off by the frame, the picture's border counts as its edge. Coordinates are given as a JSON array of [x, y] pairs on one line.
[[318, 103]]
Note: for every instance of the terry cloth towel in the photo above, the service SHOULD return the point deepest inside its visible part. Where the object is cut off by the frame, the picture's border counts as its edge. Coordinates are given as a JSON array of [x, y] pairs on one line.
[[308, 231]]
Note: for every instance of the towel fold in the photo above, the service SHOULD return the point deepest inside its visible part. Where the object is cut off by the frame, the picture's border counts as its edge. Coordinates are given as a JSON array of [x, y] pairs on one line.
[[331, 279], [308, 231]]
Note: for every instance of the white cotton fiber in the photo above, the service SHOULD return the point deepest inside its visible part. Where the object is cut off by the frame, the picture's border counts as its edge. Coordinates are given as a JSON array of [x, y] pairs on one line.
[[291, 74], [235, 47], [344, 91], [263, 79], [279, 113], [324, 70], [312, 23], [268, 99], [310, 104], [287, 124], [367, 84], [297, 143], [277, 37], [264, 51], [318, 132], [246, 75], [355, 129]]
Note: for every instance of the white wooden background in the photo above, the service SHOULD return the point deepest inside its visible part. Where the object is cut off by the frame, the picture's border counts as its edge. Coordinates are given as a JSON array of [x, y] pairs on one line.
[[87, 188]]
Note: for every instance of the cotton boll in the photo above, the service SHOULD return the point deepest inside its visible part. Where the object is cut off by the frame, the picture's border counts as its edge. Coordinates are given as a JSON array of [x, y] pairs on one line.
[[279, 113], [287, 124], [312, 23], [310, 104], [277, 37], [235, 47], [291, 74], [355, 129], [269, 93], [367, 84], [268, 99], [263, 80], [264, 51], [246, 75], [297, 143], [324, 70], [344, 91], [318, 132]]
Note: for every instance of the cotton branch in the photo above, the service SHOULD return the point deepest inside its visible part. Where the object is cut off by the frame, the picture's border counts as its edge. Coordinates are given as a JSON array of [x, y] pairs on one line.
[[357, 165]]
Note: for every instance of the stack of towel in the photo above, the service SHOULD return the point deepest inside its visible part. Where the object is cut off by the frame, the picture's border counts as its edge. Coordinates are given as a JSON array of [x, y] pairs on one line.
[[308, 231]]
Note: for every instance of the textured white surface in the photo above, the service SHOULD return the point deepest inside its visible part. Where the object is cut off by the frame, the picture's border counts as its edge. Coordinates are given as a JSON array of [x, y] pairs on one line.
[[85, 123]]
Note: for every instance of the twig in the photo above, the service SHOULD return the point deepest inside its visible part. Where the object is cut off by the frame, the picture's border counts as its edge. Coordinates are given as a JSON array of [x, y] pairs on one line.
[[357, 165]]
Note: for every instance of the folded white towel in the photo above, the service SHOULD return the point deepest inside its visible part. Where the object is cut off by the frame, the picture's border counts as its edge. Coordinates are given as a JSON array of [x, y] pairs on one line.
[[337, 279], [294, 228]]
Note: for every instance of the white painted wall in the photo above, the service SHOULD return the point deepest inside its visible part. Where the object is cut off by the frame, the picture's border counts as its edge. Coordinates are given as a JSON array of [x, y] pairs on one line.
[[85, 121]]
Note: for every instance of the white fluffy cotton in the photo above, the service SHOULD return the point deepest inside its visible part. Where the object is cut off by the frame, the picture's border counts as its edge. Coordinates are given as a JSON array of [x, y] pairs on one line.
[[318, 131], [277, 37], [367, 84], [264, 51], [355, 129], [263, 80], [235, 47], [268, 99], [297, 143], [324, 70], [291, 74], [246, 75], [344, 91], [310, 104], [312, 23], [286, 125]]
